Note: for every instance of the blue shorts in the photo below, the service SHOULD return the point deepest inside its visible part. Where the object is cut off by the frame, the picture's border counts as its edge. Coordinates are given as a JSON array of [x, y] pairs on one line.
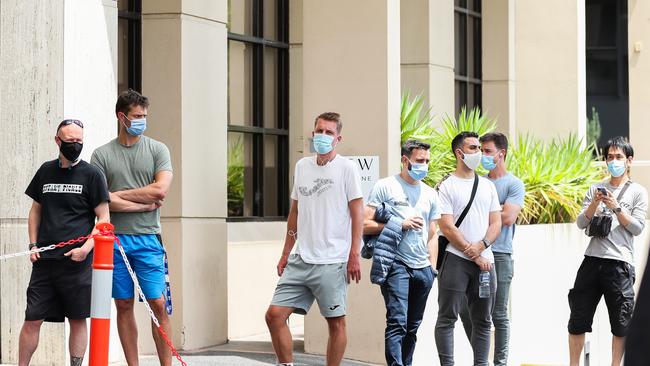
[[147, 258]]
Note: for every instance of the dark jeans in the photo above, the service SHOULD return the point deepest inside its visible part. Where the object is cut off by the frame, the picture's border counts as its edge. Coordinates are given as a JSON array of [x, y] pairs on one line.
[[405, 295], [504, 266], [458, 285]]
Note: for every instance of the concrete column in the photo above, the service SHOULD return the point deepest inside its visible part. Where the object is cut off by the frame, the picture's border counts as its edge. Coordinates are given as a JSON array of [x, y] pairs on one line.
[[50, 78], [550, 68], [298, 141], [498, 22], [639, 87], [184, 55], [351, 65], [427, 52]]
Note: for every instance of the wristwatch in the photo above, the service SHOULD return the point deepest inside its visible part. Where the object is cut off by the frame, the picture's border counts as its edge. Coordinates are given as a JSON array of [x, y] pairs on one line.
[[616, 209], [486, 242], [32, 245]]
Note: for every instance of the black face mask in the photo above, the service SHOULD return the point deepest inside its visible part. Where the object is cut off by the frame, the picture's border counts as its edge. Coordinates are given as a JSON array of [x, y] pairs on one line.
[[71, 150]]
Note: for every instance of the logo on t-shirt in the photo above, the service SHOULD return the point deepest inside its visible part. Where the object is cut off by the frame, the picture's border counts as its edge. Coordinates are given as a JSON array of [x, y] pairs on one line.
[[320, 185], [62, 188]]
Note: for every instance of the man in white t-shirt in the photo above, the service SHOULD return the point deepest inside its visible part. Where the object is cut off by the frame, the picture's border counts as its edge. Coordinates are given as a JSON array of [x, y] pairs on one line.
[[468, 256], [325, 224]]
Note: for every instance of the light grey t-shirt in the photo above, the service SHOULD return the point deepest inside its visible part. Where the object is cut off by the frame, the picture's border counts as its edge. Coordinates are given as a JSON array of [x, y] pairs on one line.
[[407, 201], [129, 167], [619, 244], [510, 190]]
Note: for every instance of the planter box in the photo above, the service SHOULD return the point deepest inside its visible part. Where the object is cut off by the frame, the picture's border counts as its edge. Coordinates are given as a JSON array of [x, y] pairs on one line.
[[547, 258]]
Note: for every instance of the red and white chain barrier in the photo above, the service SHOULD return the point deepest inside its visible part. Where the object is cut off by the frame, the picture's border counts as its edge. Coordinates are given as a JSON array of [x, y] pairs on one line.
[[102, 282]]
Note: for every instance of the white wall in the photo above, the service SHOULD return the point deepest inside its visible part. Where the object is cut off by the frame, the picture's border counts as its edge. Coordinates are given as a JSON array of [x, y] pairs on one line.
[[547, 258], [253, 253]]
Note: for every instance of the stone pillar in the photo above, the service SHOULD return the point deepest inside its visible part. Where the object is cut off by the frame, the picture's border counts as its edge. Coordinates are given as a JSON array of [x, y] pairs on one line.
[[184, 73], [427, 52], [50, 78], [498, 22], [550, 66], [351, 65], [639, 89]]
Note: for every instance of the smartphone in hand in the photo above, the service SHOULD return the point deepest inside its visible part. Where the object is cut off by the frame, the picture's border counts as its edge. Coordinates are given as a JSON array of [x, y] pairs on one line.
[[602, 190]]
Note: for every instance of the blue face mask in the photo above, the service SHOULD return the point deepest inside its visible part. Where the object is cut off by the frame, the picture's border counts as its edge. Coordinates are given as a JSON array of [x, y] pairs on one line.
[[323, 143], [137, 126], [616, 168], [418, 171], [488, 162]]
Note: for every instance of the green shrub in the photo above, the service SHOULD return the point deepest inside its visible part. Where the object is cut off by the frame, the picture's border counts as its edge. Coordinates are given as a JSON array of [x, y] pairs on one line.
[[593, 127], [236, 177], [556, 174]]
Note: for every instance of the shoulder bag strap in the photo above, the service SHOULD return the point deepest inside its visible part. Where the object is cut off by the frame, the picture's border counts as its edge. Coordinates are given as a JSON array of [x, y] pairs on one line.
[[620, 195], [469, 204]]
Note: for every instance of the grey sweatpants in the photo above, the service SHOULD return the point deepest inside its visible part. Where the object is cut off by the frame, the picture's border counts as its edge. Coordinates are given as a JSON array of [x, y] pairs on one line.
[[459, 279]]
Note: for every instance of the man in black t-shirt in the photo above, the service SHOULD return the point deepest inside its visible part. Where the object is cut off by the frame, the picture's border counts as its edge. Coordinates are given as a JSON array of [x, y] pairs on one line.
[[68, 195]]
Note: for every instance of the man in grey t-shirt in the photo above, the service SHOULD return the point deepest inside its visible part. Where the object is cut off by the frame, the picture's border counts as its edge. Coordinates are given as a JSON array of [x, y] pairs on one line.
[[608, 267], [138, 172]]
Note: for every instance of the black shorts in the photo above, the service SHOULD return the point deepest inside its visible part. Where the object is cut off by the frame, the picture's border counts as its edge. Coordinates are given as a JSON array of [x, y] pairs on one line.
[[597, 277], [59, 289]]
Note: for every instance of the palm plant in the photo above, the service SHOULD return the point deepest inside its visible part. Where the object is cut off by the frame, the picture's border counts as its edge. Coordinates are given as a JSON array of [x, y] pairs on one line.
[[442, 158], [556, 175], [416, 123]]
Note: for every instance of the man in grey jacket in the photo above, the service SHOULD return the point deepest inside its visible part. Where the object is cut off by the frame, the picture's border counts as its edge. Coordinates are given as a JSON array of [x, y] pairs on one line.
[[608, 266], [410, 278]]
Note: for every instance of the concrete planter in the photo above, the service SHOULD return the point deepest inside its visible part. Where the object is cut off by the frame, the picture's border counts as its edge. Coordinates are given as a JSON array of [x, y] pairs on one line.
[[546, 260]]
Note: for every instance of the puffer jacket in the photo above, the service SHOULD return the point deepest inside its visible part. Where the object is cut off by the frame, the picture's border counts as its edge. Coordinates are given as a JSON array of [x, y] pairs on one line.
[[383, 247]]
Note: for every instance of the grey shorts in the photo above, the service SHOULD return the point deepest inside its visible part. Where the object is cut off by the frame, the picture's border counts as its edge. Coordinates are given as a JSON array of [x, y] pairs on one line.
[[302, 282]]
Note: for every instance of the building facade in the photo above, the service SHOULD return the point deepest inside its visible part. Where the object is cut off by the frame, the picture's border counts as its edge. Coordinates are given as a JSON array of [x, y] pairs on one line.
[[234, 87]]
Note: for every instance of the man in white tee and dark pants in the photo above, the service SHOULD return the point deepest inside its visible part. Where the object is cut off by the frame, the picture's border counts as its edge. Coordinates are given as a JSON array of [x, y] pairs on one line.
[[325, 223], [468, 253]]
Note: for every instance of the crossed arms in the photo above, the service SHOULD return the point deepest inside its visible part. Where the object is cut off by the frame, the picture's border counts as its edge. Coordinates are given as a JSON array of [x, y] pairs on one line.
[[143, 199]]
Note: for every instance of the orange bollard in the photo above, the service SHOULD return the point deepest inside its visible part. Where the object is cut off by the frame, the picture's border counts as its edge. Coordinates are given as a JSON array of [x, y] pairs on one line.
[[100, 303]]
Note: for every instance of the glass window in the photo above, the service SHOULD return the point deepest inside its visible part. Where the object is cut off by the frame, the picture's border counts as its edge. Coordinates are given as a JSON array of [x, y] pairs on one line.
[[129, 45], [240, 16], [258, 74], [468, 48], [606, 26], [271, 19], [240, 87]]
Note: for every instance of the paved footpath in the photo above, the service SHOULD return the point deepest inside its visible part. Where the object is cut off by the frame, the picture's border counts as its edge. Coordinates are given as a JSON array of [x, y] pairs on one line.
[[242, 354]]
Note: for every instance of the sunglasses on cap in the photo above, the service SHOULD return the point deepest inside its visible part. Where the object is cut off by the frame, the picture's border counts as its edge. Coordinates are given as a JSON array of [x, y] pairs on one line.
[[66, 122]]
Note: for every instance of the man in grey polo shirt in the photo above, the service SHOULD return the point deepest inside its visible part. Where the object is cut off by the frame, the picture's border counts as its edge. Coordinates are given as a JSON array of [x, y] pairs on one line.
[[325, 223]]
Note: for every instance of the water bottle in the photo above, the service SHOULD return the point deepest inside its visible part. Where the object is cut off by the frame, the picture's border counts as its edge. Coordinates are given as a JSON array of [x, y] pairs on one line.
[[484, 285]]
